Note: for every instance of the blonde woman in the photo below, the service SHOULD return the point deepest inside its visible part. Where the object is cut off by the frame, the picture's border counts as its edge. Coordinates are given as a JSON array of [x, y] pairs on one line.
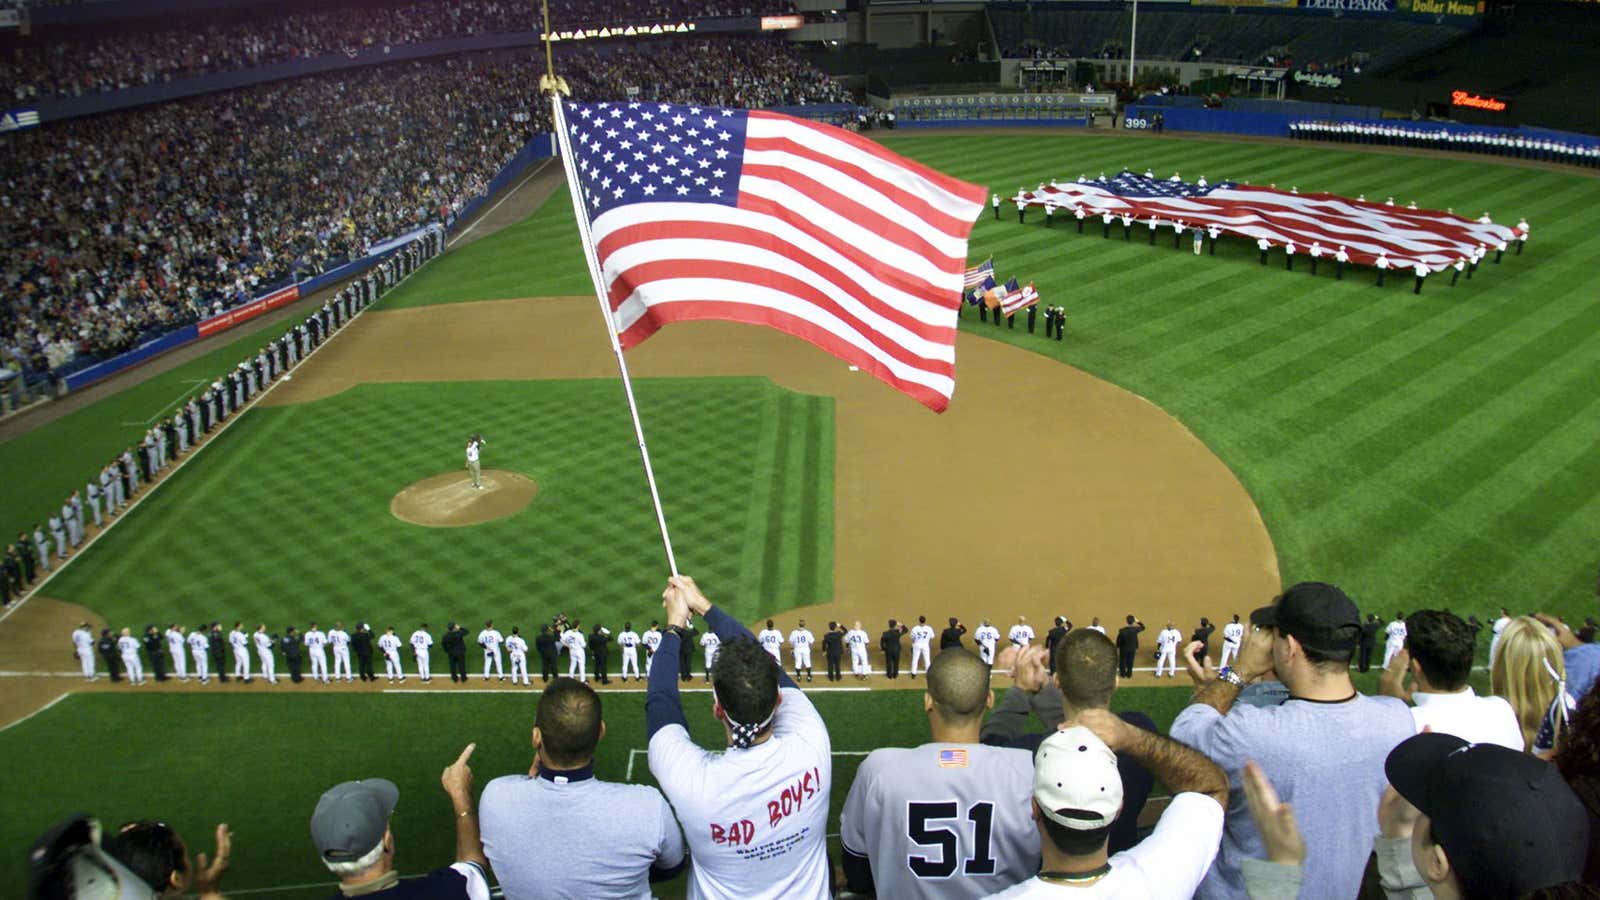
[[1529, 672]]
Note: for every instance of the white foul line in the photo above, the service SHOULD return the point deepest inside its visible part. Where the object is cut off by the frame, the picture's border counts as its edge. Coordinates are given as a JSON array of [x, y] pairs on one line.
[[485, 214], [41, 709], [170, 403], [206, 442]]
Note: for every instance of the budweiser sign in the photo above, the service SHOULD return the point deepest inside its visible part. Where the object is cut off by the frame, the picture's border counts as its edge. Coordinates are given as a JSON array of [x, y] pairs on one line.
[[1462, 98]]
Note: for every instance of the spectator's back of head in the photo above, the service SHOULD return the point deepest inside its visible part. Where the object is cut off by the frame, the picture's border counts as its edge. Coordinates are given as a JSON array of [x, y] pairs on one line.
[[1442, 644], [958, 686], [569, 723], [1321, 618], [1077, 790], [1086, 669], [154, 852], [1522, 671], [1507, 823], [744, 679]]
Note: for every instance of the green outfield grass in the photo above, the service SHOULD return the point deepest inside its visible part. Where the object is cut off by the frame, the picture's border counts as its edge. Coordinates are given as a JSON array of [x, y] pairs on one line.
[[287, 517]]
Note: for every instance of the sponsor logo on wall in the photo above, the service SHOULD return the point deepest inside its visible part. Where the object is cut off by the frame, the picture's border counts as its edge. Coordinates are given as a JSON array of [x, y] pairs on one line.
[[1317, 79], [1475, 101], [18, 119]]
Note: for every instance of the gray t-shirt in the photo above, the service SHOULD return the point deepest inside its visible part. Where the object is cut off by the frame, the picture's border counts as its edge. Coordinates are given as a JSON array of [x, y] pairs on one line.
[[1325, 758], [576, 839]]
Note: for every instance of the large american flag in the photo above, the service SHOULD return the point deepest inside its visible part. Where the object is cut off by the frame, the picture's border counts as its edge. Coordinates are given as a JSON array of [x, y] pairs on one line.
[[749, 216], [1366, 229]]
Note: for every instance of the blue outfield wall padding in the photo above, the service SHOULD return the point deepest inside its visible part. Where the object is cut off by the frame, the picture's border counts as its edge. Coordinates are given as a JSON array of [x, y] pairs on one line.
[[1210, 120], [148, 350]]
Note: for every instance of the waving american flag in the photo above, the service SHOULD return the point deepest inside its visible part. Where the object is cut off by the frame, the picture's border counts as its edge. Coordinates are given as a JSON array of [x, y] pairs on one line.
[[749, 216], [1433, 237]]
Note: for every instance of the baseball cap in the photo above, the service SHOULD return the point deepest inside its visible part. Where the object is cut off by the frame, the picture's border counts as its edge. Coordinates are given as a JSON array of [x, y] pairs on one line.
[[351, 818], [1075, 780], [67, 862], [1318, 615], [1507, 821]]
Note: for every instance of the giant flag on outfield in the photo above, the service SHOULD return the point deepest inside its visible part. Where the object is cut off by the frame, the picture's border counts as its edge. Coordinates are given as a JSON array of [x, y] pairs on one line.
[[755, 217], [1366, 229]]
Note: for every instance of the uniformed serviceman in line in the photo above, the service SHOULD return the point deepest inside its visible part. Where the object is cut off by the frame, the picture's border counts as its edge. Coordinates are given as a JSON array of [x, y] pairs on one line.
[[1316, 254], [1383, 267], [361, 642], [1340, 258], [218, 644], [995, 202], [153, 648], [292, 646], [545, 645], [1457, 266], [1288, 256], [1421, 269], [454, 643]]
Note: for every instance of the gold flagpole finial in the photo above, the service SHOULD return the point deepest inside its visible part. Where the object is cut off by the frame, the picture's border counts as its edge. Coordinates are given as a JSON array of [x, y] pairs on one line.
[[550, 82]]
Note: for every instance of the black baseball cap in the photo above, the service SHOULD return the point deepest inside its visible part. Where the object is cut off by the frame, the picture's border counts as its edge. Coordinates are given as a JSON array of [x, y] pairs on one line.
[[1318, 615], [1507, 821]]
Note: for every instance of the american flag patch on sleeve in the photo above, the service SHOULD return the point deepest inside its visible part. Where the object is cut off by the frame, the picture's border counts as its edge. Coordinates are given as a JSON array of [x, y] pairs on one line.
[[952, 759]]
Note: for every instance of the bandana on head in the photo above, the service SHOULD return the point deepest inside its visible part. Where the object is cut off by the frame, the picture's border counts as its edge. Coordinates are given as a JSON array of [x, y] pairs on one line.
[[745, 735]]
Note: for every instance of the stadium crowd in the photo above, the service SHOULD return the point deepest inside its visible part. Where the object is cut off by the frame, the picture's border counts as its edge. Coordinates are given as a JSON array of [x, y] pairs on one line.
[[1282, 774], [130, 224], [108, 492], [52, 66]]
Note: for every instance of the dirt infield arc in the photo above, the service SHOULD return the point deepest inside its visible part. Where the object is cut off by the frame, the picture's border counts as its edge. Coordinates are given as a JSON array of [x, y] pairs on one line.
[[1042, 491]]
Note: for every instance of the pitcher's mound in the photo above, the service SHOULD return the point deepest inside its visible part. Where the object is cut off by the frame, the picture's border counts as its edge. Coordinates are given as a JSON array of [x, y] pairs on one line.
[[450, 500]]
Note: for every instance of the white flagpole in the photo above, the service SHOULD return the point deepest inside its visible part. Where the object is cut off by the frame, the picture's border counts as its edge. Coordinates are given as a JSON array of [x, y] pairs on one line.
[[574, 187]]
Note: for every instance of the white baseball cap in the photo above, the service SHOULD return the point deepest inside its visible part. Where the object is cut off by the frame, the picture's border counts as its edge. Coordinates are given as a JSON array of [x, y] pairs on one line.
[[1075, 780]]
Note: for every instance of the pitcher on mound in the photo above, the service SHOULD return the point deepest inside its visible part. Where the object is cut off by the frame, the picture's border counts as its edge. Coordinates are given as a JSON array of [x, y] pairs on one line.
[[474, 444]]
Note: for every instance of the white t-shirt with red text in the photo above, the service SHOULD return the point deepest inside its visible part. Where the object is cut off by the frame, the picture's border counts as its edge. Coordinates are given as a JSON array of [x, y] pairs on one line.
[[756, 820]]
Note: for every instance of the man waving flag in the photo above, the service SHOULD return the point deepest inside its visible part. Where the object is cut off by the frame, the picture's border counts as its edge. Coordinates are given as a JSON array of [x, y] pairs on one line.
[[750, 216]]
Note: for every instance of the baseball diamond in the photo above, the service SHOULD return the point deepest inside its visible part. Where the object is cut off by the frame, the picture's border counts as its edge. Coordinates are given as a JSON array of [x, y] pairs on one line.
[[1205, 432]]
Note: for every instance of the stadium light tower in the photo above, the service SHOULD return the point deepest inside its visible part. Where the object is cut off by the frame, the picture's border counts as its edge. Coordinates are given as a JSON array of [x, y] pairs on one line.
[[1133, 37]]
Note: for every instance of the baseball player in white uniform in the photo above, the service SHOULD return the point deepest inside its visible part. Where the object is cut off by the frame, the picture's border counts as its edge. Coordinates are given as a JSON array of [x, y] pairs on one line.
[[83, 649], [518, 648], [1167, 641], [987, 637], [651, 640], [489, 639], [421, 641], [710, 643], [771, 640], [269, 667], [131, 664], [175, 644], [1396, 638], [856, 639], [474, 444], [1232, 635], [316, 641], [921, 645], [800, 641], [577, 652], [200, 648], [339, 639], [389, 646], [1021, 634], [628, 640], [241, 651]]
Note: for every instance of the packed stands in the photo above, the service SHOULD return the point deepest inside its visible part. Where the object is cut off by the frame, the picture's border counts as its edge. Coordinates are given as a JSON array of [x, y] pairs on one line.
[[1252, 39], [133, 223], [53, 64]]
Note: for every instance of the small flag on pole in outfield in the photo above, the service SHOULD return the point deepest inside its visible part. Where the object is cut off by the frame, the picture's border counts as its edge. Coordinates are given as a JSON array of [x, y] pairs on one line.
[[979, 272], [1019, 300], [750, 216]]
